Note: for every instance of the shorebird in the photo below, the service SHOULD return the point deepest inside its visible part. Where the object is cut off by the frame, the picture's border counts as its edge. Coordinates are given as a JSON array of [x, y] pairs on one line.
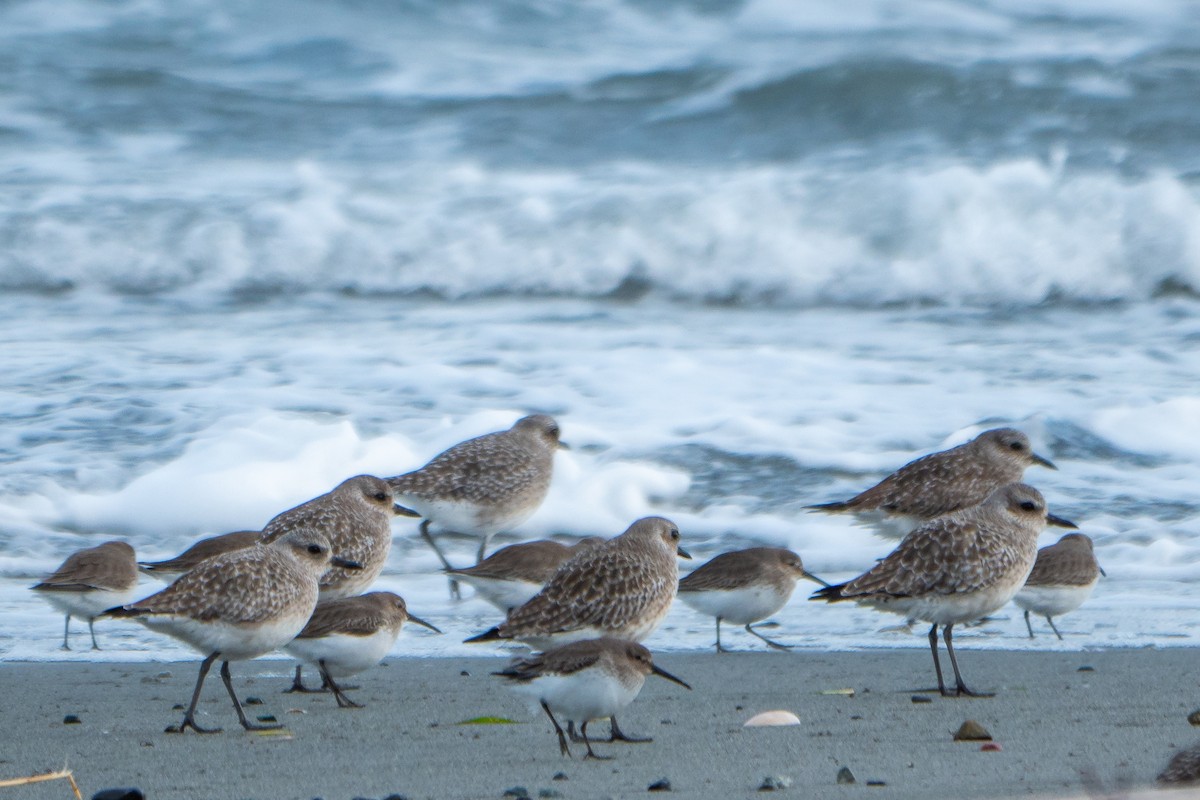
[[512, 575], [349, 635], [172, 568], [745, 586], [1183, 768], [484, 485], [585, 680], [621, 588], [89, 582], [240, 605], [956, 568], [1063, 576], [942, 482]]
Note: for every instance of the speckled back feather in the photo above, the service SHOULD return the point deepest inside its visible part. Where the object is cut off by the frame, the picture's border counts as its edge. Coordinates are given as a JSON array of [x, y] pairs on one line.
[[741, 568], [204, 549], [1068, 562], [534, 562], [108, 566], [362, 615]]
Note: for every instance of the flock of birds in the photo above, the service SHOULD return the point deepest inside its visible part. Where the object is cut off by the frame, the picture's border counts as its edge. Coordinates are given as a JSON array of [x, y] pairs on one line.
[[300, 584]]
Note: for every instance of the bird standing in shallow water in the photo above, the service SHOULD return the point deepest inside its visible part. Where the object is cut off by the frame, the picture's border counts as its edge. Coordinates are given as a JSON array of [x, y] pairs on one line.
[[942, 482], [89, 582], [484, 485], [1063, 577], [956, 568]]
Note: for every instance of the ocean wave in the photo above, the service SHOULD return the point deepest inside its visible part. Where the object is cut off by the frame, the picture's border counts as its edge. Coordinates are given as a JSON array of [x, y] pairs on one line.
[[1018, 233]]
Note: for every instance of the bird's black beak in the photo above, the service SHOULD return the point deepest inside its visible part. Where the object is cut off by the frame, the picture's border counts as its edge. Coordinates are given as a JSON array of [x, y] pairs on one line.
[[662, 673], [813, 578], [1060, 522], [345, 563], [1045, 462], [401, 511], [423, 623], [564, 446], [683, 554]]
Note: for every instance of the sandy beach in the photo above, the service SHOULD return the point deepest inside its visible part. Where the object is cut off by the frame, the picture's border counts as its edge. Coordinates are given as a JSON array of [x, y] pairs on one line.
[[1054, 718]]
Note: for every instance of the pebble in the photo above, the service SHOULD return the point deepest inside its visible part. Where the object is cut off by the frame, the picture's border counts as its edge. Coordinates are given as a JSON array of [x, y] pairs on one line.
[[549, 793], [920, 698], [845, 776], [991, 747], [561, 776], [876, 783], [972, 731], [252, 701], [773, 783], [1086, 668], [72, 719], [519, 792], [119, 794], [1194, 717], [660, 785]]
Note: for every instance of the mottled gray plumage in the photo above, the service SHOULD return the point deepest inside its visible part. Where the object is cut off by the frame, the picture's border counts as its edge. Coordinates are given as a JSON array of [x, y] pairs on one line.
[[89, 582], [361, 615], [947, 481], [534, 562], [1183, 769], [1071, 561], [201, 550], [484, 485], [356, 518], [622, 587], [956, 568]]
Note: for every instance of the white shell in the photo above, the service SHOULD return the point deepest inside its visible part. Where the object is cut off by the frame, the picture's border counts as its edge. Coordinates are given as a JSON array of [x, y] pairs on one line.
[[772, 718]]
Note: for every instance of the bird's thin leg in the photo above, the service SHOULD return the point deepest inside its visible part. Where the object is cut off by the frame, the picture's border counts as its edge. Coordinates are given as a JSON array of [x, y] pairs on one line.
[[298, 683], [618, 735], [1028, 624], [960, 687], [428, 537], [590, 752], [483, 546], [66, 633], [719, 648], [937, 664], [1054, 627], [92, 631], [562, 737], [189, 719], [770, 642], [342, 700], [237, 704]]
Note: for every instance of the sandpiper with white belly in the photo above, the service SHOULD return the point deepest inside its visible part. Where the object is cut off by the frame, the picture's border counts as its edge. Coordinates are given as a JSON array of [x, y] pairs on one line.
[[1063, 577], [89, 582]]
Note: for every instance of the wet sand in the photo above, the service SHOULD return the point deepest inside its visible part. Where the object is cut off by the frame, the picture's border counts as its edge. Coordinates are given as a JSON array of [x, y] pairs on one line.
[[1119, 721]]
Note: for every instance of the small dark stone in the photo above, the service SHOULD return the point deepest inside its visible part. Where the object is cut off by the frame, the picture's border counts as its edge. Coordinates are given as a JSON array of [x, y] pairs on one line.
[[549, 793], [1086, 668], [1194, 717], [72, 719], [845, 776], [395, 797], [519, 792], [660, 785], [361, 798], [972, 731], [920, 698], [177, 707], [773, 783], [119, 794], [465, 674], [856, 716], [561, 776], [266, 718], [876, 783], [252, 701]]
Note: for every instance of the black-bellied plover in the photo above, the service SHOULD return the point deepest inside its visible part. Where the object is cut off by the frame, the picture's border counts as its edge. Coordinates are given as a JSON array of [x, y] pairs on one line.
[[89, 582], [942, 482], [512, 575], [745, 586], [485, 485], [356, 518], [239, 606], [956, 568], [1063, 576], [349, 635], [171, 568], [586, 680], [622, 588]]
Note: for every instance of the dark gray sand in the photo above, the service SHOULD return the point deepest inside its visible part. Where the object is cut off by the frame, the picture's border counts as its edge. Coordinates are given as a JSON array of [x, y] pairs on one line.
[[1119, 721]]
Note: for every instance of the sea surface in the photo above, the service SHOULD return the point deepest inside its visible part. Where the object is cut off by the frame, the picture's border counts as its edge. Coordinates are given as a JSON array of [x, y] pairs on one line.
[[752, 255]]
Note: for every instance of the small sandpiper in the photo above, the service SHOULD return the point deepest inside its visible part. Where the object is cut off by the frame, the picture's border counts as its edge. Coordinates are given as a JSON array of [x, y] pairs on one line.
[[1183, 769], [239, 606], [172, 568], [745, 586], [483, 486], [347, 636], [512, 575], [1063, 577], [586, 680], [942, 482], [89, 582], [956, 568]]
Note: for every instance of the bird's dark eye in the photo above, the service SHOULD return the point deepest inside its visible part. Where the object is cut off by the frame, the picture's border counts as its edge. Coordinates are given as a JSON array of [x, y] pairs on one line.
[[315, 549], [380, 496], [1017, 446], [1029, 505], [674, 533]]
